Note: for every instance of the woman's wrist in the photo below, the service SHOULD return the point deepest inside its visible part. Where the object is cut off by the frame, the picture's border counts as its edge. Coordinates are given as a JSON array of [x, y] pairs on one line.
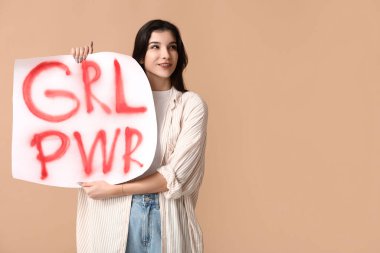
[[117, 190], [122, 189]]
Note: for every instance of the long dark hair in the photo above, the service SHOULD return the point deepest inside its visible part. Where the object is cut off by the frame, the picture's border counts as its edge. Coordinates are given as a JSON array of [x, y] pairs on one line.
[[141, 46]]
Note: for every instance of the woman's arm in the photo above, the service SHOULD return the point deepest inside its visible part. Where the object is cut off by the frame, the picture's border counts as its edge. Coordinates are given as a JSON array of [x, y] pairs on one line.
[[182, 175], [184, 169], [100, 189]]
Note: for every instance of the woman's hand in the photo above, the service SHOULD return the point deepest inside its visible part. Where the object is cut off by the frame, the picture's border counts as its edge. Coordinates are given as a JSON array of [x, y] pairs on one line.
[[101, 189], [80, 53]]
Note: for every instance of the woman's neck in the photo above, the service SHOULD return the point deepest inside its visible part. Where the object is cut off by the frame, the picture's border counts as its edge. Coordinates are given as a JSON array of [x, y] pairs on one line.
[[159, 84]]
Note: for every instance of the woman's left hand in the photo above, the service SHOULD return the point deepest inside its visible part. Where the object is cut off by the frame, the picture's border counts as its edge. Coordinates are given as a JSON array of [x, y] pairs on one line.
[[100, 189]]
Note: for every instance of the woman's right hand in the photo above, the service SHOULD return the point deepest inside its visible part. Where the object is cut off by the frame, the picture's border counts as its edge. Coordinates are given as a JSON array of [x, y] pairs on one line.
[[80, 53]]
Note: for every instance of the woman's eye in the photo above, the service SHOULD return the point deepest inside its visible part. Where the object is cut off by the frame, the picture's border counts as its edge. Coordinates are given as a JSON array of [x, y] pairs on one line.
[[154, 47], [173, 47]]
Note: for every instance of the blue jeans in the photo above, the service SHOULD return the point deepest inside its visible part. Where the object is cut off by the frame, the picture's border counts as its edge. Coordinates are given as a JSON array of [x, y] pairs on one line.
[[144, 232]]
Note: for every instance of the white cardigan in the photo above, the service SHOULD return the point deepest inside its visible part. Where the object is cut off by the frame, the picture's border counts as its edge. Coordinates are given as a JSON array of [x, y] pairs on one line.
[[102, 225]]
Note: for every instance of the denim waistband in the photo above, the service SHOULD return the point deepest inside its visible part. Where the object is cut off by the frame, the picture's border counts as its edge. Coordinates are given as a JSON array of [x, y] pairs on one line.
[[147, 199]]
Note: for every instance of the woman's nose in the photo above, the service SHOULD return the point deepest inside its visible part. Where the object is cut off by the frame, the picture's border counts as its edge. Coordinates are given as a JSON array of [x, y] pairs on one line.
[[165, 53]]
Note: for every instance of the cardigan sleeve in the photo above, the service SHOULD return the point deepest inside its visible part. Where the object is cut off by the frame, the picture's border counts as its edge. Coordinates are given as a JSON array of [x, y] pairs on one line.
[[185, 168]]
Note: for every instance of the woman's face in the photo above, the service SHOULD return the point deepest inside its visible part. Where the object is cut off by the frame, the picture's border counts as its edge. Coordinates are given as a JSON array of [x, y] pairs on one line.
[[161, 57]]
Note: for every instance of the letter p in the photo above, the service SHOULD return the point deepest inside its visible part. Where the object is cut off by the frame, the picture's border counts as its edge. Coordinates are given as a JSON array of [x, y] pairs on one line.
[[44, 158]]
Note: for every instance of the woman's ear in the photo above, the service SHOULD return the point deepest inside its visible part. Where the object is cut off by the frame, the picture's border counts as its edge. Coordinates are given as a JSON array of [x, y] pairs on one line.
[[141, 61]]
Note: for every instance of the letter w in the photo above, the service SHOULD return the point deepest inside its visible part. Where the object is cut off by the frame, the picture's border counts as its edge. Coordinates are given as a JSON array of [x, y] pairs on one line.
[[87, 159]]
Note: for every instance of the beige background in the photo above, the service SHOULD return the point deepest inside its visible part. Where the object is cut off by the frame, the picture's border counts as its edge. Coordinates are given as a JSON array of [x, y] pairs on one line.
[[293, 158]]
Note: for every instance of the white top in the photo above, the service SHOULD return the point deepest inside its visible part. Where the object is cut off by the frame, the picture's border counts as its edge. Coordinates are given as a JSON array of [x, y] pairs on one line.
[[161, 103], [102, 225]]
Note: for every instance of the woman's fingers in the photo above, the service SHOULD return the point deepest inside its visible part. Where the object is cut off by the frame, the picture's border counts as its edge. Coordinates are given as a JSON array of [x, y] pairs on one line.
[[77, 54], [81, 53], [86, 51], [72, 52], [97, 189], [86, 184]]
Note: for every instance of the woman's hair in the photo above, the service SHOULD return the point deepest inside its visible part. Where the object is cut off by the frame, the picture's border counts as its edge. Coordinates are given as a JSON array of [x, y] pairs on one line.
[[141, 46]]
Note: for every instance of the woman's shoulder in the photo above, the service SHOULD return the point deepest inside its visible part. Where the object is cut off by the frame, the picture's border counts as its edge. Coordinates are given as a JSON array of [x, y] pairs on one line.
[[193, 99]]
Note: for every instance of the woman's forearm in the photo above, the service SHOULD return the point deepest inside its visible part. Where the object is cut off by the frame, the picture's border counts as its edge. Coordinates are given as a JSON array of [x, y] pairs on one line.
[[151, 184]]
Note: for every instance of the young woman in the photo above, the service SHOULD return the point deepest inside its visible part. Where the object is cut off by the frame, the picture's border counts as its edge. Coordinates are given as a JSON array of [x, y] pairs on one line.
[[155, 213]]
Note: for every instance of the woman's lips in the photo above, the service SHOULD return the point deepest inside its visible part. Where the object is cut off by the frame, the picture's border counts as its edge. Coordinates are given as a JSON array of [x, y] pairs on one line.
[[165, 65]]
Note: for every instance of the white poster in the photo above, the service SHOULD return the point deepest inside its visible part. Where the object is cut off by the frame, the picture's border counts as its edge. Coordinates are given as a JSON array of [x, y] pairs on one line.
[[81, 122]]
